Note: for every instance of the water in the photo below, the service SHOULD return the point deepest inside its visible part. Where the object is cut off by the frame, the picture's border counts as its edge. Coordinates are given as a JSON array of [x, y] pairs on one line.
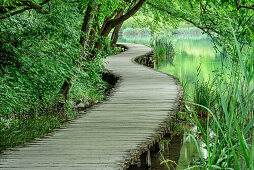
[[192, 52], [135, 39], [179, 149]]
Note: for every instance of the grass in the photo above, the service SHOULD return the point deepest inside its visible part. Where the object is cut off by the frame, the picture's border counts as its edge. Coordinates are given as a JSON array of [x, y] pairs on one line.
[[229, 104], [232, 146], [163, 48], [205, 93]]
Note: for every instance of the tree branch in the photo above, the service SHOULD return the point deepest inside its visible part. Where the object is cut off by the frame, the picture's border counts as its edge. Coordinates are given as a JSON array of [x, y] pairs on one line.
[[27, 6], [15, 13], [238, 6], [35, 6], [114, 22], [248, 7], [183, 18]]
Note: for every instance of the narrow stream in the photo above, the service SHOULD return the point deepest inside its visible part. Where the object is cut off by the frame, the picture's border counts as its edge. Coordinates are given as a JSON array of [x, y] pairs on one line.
[[191, 52]]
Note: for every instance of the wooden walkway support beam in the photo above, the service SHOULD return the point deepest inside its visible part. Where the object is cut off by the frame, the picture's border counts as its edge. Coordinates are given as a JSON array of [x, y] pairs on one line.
[[114, 134]]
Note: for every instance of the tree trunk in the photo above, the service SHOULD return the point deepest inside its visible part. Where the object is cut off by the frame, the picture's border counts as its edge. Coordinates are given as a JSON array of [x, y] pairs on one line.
[[110, 24], [67, 86], [115, 35], [114, 22], [86, 42], [86, 29]]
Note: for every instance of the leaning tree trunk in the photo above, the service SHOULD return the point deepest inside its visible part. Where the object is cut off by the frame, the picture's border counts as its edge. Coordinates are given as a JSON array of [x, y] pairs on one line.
[[110, 24], [115, 35]]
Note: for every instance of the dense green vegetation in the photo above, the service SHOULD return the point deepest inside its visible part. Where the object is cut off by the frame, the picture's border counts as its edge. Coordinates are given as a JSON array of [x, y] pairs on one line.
[[51, 58], [47, 63]]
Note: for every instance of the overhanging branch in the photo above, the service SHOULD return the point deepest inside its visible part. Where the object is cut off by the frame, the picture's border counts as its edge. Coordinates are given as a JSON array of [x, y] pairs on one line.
[[27, 4], [114, 22], [248, 7], [183, 18]]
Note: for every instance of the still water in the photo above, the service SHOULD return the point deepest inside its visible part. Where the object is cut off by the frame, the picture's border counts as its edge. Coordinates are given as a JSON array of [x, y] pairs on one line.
[[191, 52]]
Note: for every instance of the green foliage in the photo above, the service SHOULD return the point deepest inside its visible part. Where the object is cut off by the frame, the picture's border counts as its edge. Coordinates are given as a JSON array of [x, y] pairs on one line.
[[213, 17], [137, 31], [229, 134], [205, 94], [17, 132], [152, 20], [38, 53]]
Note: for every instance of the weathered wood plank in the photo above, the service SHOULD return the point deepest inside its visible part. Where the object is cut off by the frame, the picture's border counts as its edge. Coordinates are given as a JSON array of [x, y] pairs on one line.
[[113, 134]]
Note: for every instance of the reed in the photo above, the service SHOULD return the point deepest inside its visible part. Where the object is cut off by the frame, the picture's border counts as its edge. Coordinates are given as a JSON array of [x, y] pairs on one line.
[[163, 47], [205, 93], [229, 133]]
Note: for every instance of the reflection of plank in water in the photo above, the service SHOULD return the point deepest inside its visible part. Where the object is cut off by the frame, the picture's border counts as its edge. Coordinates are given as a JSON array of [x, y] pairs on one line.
[[113, 134]]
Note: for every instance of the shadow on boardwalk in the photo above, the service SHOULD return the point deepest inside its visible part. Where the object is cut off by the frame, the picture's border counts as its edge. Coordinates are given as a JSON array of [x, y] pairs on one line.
[[114, 134]]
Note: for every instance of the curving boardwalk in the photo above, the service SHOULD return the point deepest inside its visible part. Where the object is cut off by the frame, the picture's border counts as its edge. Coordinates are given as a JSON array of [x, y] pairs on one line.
[[111, 135]]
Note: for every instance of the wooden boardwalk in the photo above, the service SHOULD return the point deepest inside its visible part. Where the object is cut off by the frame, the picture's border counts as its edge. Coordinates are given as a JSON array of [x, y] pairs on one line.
[[111, 135]]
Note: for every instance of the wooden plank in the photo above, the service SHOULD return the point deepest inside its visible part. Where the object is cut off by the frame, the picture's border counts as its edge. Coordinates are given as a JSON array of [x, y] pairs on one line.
[[112, 134]]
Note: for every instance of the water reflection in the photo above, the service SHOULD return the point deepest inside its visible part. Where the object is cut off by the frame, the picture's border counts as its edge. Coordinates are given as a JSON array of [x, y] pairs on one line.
[[192, 51], [179, 149], [135, 39]]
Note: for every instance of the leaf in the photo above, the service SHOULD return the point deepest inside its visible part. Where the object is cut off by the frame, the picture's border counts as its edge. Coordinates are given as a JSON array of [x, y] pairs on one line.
[[198, 148], [241, 140], [200, 127], [249, 125], [240, 55], [250, 94], [234, 154], [223, 103]]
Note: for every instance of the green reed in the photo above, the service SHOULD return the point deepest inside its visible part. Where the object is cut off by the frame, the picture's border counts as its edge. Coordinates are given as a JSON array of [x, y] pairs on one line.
[[163, 47], [229, 133]]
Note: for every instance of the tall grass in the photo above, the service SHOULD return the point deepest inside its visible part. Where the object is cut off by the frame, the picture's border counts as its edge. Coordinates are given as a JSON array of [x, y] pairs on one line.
[[163, 48], [205, 94], [232, 144]]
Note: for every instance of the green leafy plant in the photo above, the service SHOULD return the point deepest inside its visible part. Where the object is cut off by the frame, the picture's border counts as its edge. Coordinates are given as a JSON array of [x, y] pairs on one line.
[[231, 146]]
